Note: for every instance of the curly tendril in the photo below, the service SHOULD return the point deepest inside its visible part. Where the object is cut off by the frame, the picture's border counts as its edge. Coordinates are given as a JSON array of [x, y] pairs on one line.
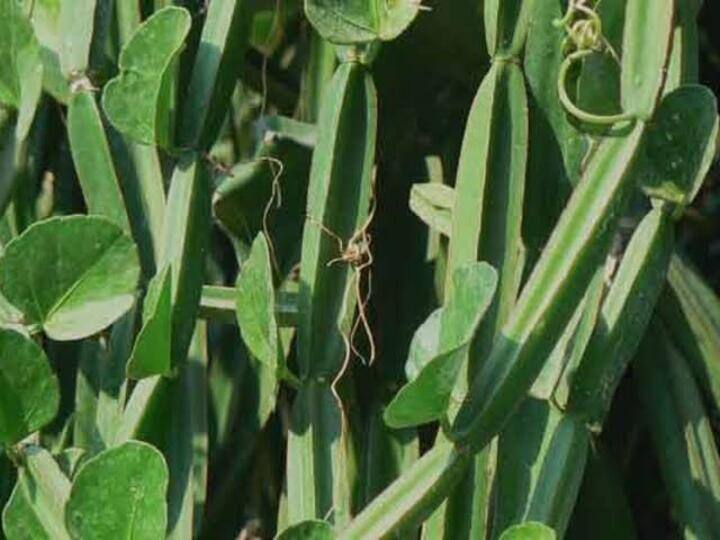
[[584, 33], [584, 38]]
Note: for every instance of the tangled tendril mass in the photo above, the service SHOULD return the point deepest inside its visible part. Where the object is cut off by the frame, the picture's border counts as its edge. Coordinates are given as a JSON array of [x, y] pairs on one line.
[[583, 27]]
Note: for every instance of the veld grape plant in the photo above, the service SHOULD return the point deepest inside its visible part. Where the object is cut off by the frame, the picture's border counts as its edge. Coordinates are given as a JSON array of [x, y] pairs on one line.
[[268, 270]]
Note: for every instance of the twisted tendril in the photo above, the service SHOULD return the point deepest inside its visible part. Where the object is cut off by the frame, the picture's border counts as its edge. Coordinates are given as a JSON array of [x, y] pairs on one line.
[[584, 38]]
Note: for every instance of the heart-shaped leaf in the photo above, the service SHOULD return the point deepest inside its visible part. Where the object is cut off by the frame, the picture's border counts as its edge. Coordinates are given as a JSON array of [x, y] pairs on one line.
[[440, 346], [140, 100], [73, 276], [472, 292], [120, 493], [286, 128], [426, 398], [361, 21], [680, 145], [433, 204], [151, 354], [308, 530], [424, 345], [256, 306], [528, 531], [21, 74], [29, 391]]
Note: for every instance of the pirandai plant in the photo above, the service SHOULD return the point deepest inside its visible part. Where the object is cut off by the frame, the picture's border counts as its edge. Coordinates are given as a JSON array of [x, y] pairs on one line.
[[268, 270]]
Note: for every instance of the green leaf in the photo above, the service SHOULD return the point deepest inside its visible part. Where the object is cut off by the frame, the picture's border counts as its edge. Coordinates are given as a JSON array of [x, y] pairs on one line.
[[151, 354], [255, 312], [74, 276], [681, 144], [29, 390], [436, 249], [449, 331], [139, 101], [120, 493], [10, 316], [301, 133], [147, 410], [308, 530], [426, 398], [528, 531], [35, 509], [22, 71], [424, 345], [433, 204], [21, 518], [101, 386], [361, 21], [473, 288], [256, 306]]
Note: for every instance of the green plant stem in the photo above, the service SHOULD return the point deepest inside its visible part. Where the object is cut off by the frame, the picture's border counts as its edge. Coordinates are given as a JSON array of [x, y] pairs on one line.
[[681, 433], [13, 155], [412, 497], [219, 304], [581, 240], [556, 443], [318, 72], [487, 226], [338, 203], [690, 310]]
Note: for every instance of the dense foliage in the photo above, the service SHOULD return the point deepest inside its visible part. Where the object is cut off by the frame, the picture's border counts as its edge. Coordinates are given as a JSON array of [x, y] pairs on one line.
[[268, 269]]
